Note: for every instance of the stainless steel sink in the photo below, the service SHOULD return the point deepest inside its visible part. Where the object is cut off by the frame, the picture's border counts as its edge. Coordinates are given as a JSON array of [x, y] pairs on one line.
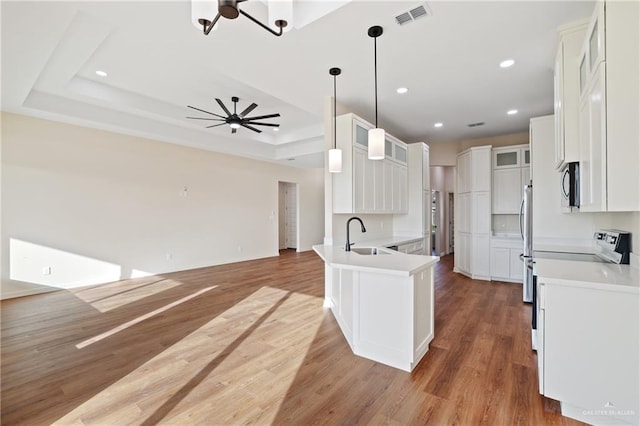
[[370, 251]]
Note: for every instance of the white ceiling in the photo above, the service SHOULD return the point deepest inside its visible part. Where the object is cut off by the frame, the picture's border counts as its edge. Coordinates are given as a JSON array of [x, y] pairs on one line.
[[158, 63]]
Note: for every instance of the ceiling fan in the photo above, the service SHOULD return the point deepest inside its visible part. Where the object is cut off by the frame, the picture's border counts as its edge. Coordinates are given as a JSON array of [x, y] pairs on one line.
[[236, 120]]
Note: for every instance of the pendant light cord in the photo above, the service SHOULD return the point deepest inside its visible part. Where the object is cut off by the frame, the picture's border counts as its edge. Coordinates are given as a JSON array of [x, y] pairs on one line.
[[335, 131], [375, 73]]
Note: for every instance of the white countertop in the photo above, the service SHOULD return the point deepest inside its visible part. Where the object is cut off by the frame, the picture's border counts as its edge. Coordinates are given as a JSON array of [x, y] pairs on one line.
[[602, 276], [395, 263]]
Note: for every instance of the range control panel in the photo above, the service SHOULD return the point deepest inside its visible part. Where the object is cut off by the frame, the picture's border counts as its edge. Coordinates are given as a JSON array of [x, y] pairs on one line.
[[614, 245]]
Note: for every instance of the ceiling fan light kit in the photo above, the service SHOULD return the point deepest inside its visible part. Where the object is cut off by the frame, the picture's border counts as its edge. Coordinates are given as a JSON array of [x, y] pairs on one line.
[[235, 120], [376, 136], [204, 15], [335, 154]]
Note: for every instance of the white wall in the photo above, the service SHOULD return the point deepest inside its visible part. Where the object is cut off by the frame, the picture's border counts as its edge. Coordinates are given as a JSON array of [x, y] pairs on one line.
[[97, 206]]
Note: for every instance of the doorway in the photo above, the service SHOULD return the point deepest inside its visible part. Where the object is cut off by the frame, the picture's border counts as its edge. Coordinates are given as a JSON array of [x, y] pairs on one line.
[[435, 223], [287, 215], [451, 224]]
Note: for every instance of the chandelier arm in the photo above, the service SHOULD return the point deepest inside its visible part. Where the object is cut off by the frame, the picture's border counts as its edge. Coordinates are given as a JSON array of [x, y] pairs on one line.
[[242, 12], [206, 30]]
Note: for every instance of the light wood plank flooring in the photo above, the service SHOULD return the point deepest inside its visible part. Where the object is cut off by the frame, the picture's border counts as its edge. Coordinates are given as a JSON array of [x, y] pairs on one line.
[[250, 343]]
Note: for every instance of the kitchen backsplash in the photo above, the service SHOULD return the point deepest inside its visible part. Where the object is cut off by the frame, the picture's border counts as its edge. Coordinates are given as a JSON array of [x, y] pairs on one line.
[[505, 224]]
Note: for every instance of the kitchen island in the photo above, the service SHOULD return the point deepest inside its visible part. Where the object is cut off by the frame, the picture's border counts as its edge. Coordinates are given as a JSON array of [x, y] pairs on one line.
[[383, 302]]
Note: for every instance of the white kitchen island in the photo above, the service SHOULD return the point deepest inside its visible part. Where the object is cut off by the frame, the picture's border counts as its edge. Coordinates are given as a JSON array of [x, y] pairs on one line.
[[383, 303]]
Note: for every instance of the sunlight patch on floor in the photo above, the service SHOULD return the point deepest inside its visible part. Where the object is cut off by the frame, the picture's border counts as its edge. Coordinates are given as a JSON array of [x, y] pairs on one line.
[[247, 357], [141, 318], [115, 295]]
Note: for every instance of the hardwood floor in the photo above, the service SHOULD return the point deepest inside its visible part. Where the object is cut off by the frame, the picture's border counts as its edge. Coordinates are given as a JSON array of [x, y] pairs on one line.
[[250, 343]]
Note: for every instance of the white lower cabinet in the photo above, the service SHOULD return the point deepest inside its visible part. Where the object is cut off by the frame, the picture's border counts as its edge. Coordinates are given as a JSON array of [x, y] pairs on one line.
[[505, 260], [480, 257], [415, 247], [588, 352]]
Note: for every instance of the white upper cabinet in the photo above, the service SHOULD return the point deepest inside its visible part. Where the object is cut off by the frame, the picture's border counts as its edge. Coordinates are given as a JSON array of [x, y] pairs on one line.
[[609, 137], [511, 171], [507, 191], [368, 186], [566, 89]]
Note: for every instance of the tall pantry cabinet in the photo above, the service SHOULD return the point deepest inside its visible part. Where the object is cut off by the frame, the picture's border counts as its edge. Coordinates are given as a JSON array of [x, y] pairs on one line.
[[473, 213]]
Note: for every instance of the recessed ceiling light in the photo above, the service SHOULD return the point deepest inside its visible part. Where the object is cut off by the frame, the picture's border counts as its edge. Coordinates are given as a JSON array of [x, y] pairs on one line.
[[512, 111], [437, 125], [507, 63], [402, 90], [276, 129], [101, 73]]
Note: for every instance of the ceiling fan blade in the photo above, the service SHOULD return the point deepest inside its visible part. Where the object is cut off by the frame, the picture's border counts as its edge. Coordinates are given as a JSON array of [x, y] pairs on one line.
[[251, 128], [262, 124], [207, 112], [201, 118], [224, 108], [234, 130], [248, 110], [216, 125], [260, 117]]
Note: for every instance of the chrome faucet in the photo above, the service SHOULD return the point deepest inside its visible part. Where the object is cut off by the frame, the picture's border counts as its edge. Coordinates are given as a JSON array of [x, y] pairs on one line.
[[347, 247]]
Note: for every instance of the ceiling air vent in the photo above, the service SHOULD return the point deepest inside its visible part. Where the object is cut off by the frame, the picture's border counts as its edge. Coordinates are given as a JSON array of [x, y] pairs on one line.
[[480, 123], [411, 15]]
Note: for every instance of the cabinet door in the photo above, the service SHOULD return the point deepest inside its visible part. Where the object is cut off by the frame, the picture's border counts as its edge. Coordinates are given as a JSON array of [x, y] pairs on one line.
[[507, 191], [378, 182], [400, 153], [585, 373], [463, 172], [387, 171], [361, 135], [525, 157], [464, 212], [500, 262], [593, 154], [359, 165], [481, 213], [481, 255], [558, 107], [506, 159], [463, 247], [426, 179], [402, 188], [480, 179], [515, 264], [369, 185]]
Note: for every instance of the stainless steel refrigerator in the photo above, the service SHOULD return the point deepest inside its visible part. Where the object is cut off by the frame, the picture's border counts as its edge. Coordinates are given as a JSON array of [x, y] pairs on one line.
[[526, 230]]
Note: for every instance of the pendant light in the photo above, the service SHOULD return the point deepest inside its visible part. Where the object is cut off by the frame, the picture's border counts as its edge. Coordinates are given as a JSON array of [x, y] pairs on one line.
[[335, 154], [376, 136]]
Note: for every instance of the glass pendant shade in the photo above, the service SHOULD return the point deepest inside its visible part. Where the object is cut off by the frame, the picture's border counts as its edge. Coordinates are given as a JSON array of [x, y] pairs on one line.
[[376, 144], [203, 10], [335, 160]]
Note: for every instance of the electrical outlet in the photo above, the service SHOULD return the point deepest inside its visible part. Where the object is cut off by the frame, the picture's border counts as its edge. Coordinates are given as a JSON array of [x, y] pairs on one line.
[[184, 192], [381, 225], [239, 249], [46, 270], [169, 256]]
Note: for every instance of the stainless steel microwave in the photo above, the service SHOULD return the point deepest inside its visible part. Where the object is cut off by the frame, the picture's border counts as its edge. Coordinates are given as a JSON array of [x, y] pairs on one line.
[[570, 185]]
